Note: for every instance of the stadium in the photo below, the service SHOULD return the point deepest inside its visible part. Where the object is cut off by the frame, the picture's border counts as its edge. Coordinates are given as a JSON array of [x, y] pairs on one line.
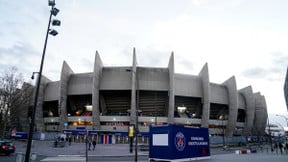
[[108, 100]]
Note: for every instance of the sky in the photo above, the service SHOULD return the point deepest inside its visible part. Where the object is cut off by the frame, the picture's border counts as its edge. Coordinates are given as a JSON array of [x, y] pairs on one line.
[[242, 38]]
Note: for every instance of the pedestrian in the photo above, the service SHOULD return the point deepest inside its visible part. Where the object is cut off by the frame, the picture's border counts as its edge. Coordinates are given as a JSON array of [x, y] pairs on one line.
[[94, 144], [280, 147], [89, 145], [70, 140], [276, 147], [286, 145]]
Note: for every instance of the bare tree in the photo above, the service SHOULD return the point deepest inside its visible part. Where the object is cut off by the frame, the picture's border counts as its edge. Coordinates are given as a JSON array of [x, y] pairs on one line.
[[14, 95]]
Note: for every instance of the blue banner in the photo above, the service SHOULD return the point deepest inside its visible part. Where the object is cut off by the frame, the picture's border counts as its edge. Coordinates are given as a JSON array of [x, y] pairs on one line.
[[20, 135]]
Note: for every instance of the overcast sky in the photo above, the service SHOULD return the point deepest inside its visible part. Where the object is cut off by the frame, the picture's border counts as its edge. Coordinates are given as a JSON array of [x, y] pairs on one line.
[[247, 39]]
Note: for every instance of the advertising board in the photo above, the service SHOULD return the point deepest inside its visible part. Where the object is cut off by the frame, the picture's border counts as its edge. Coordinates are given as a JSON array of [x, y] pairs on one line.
[[178, 143]]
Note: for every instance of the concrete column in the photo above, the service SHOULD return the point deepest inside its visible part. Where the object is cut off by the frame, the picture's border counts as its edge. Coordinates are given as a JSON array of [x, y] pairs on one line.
[[204, 75], [97, 74], [260, 115], [65, 76], [250, 109], [134, 88], [39, 120], [171, 105], [230, 84]]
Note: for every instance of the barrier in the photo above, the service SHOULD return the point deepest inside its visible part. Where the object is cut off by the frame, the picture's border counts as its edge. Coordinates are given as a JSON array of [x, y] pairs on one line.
[[33, 156], [178, 143], [20, 156]]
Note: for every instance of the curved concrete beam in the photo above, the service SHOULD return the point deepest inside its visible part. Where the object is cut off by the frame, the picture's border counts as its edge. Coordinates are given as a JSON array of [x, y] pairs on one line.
[[233, 105], [97, 74], [260, 115], [250, 109], [171, 94], [65, 76], [134, 82], [204, 75]]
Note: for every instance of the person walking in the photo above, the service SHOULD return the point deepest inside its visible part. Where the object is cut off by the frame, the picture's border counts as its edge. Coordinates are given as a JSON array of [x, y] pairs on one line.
[[276, 147], [89, 145], [69, 140], [280, 147], [286, 146], [94, 144]]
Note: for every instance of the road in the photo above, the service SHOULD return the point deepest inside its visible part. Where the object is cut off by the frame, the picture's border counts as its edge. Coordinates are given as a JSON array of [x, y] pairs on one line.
[[256, 157], [12, 158]]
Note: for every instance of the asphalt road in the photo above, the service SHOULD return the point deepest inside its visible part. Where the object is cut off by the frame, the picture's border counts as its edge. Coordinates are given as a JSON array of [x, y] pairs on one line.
[[255, 157]]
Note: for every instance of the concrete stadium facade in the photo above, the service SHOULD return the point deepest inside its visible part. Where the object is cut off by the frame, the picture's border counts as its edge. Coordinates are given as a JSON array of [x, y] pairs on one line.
[[109, 99]]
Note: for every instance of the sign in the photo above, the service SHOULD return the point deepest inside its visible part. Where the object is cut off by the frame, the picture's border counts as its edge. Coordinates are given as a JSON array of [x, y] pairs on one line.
[[178, 143], [79, 132], [20, 135]]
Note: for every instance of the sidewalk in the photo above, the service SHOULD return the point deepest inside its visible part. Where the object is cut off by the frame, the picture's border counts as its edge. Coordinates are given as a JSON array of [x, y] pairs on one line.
[[76, 149], [46, 148]]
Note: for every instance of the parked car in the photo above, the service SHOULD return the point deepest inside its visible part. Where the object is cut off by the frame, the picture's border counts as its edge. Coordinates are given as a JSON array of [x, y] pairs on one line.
[[7, 147]]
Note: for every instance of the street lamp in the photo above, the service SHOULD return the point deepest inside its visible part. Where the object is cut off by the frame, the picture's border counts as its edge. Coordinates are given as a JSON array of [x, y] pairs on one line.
[[53, 12]]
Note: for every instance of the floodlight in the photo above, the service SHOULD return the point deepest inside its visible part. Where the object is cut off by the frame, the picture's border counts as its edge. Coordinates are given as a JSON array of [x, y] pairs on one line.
[[53, 32], [56, 22], [51, 2], [54, 11]]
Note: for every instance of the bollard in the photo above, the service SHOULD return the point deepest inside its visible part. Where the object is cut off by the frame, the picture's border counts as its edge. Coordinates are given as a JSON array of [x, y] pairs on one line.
[[33, 156], [20, 157]]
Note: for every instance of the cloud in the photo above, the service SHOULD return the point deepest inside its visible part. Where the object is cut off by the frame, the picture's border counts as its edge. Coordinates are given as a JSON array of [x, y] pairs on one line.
[[280, 59], [21, 55], [275, 71], [256, 72], [150, 56]]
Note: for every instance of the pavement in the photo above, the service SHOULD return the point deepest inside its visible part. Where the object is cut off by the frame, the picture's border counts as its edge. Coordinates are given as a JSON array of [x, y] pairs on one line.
[[77, 151], [46, 148]]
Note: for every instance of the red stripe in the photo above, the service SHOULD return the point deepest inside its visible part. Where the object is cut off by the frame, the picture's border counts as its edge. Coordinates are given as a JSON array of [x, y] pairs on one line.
[[105, 139]]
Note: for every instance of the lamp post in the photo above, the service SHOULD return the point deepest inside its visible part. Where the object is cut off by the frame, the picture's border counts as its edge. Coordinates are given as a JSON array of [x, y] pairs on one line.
[[136, 132], [53, 32]]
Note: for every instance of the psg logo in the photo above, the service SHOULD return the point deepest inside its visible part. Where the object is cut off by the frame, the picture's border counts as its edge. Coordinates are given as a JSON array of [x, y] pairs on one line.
[[180, 141]]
